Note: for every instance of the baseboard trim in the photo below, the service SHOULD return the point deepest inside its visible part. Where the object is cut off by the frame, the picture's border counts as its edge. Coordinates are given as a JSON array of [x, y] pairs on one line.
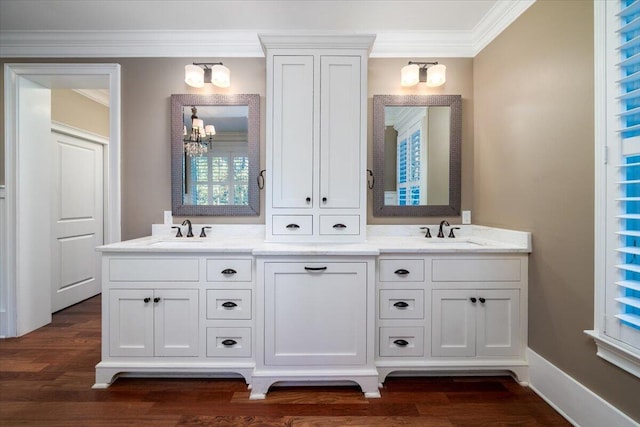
[[575, 402]]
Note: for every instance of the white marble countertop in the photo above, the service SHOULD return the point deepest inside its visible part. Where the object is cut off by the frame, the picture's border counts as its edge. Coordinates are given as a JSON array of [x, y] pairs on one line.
[[381, 239]]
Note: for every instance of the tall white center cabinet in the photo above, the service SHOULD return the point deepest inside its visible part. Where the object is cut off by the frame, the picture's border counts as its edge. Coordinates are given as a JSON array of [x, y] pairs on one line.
[[316, 138]]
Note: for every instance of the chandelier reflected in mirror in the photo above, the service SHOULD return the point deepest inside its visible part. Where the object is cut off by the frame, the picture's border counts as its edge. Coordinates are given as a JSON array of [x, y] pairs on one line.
[[197, 140]]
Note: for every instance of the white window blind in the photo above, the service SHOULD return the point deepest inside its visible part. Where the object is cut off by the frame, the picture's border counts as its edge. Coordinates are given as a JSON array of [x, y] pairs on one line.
[[617, 257]]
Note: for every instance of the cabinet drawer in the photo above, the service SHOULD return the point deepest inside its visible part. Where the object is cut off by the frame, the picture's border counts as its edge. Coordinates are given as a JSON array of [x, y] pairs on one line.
[[153, 270], [403, 342], [476, 270], [301, 225], [224, 304], [401, 304], [228, 342], [339, 224], [228, 270], [401, 270]]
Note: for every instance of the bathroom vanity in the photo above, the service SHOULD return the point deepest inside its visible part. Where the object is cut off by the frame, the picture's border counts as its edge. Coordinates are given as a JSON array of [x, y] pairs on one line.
[[278, 312]]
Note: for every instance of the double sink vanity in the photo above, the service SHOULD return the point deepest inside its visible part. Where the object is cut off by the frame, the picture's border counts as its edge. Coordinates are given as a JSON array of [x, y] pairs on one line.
[[316, 294], [271, 312]]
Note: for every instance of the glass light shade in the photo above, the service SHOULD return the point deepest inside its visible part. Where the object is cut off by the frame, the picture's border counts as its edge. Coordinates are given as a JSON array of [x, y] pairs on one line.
[[220, 76], [436, 75], [197, 124], [193, 75], [409, 75], [210, 130]]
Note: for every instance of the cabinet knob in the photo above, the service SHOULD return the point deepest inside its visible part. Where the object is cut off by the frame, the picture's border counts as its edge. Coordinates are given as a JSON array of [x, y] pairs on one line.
[[229, 304], [293, 226], [228, 271], [339, 226], [473, 300], [401, 343], [402, 272], [156, 299], [324, 200], [308, 199], [229, 343], [401, 304], [146, 300], [482, 300]]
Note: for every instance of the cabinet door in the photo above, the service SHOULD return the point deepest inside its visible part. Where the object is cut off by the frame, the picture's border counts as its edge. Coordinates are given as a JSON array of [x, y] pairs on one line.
[[131, 322], [498, 322], [176, 322], [340, 127], [453, 322], [292, 131], [315, 314]]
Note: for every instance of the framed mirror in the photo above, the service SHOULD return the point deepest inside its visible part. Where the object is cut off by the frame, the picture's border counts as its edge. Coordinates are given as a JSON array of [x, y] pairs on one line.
[[215, 150], [417, 155]]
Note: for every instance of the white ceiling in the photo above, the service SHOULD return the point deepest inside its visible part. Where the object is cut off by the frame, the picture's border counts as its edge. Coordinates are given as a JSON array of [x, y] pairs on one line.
[[230, 27]]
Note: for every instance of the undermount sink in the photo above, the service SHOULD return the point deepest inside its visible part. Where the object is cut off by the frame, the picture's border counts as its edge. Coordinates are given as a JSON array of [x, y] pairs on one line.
[[178, 243], [462, 244]]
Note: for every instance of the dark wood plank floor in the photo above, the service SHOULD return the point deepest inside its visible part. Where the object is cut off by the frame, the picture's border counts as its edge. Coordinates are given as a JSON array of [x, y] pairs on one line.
[[46, 378]]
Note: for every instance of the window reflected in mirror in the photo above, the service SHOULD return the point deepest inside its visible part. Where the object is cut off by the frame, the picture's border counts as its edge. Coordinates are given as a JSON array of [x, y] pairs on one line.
[[417, 155]]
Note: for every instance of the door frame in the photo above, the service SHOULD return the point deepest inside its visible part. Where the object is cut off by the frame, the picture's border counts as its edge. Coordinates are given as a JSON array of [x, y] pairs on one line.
[[14, 292]]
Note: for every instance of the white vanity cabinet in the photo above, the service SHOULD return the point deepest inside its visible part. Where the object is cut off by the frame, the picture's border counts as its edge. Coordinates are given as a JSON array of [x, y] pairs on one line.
[[457, 312], [153, 322], [318, 322], [316, 138], [176, 313]]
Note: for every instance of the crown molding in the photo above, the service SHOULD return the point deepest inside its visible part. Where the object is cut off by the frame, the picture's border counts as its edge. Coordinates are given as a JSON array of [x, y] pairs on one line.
[[501, 15], [227, 44]]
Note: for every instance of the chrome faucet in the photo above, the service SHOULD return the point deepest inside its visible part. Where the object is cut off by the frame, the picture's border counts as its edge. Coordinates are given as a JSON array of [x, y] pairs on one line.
[[189, 229], [440, 231]]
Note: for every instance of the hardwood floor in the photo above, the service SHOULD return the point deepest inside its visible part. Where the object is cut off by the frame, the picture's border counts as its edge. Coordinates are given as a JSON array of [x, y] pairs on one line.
[[46, 378]]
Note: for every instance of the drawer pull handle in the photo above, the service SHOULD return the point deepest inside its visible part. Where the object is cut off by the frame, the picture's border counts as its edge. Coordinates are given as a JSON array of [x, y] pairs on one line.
[[229, 343], [156, 299], [146, 300], [229, 304], [401, 304], [402, 272], [293, 226], [340, 226], [482, 300], [315, 268], [229, 271], [401, 343], [473, 300]]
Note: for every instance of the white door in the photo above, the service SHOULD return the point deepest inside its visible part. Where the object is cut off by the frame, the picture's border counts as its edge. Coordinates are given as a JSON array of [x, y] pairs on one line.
[[293, 132], [454, 322], [78, 203], [131, 322], [498, 322], [315, 313], [340, 177], [176, 322]]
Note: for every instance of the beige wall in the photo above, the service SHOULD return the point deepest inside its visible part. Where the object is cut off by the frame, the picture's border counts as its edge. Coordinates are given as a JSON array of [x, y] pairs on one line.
[[76, 110], [533, 170], [147, 85]]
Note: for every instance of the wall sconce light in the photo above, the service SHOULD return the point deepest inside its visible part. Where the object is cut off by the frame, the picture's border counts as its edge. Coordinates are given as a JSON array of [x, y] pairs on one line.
[[199, 73], [196, 141], [416, 72]]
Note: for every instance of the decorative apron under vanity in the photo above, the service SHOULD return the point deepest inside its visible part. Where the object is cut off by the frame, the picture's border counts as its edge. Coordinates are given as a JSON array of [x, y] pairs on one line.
[[275, 312]]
